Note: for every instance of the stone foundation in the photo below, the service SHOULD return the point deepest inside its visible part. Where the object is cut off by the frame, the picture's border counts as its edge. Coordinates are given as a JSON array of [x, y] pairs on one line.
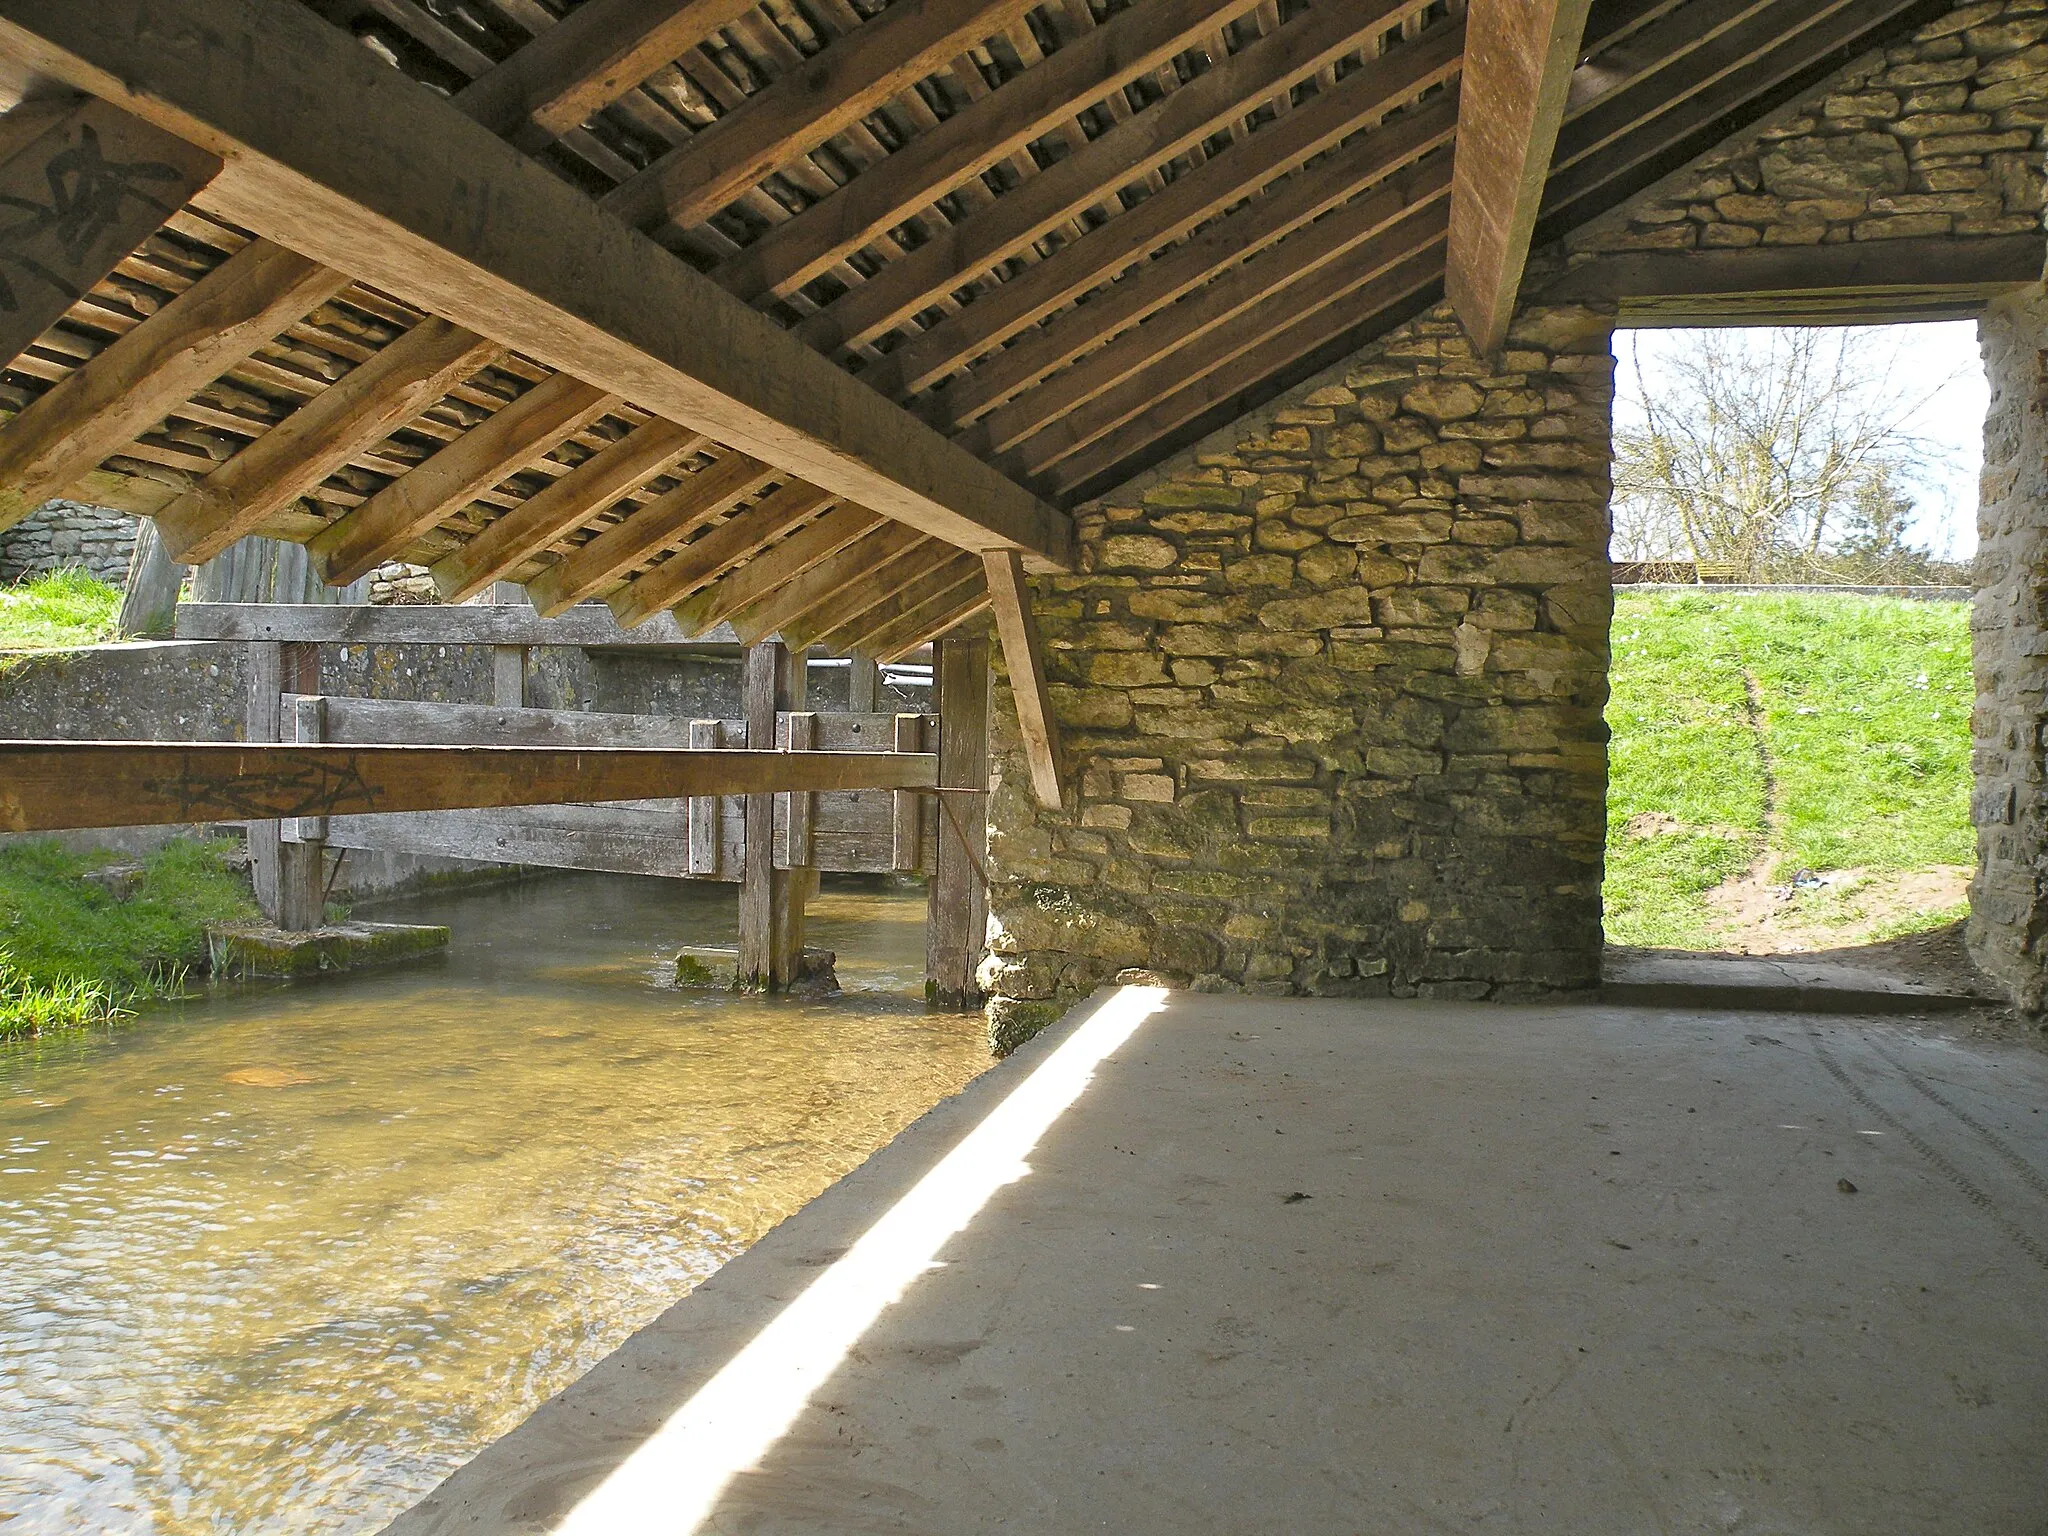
[[1331, 690]]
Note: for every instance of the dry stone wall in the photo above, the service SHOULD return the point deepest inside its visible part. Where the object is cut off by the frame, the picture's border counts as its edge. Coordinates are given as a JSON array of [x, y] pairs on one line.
[[61, 535], [1331, 690], [1938, 135]]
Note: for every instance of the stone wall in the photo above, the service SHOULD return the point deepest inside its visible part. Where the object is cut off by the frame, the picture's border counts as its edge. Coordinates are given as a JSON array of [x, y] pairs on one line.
[[61, 534], [2009, 634], [1331, 687], [1938, 135]]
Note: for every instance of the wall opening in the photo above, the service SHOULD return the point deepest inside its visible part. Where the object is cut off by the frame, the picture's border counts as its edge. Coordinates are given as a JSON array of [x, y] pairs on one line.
[[1795, 515]]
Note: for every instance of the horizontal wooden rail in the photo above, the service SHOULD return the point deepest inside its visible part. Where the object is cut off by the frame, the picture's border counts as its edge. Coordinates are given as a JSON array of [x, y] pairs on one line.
[[47, 786], [438, 624]]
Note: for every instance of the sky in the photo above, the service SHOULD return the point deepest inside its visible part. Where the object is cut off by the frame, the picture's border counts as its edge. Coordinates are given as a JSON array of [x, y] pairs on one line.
[[1951, 421]]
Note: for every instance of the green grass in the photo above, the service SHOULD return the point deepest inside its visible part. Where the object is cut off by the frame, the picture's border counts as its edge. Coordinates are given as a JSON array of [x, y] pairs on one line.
[[1863, 705], [75, 955], [57, 611]]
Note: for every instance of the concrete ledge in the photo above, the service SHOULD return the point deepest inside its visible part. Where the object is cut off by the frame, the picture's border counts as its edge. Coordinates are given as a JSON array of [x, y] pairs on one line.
[[255, 950], [1773, 983]]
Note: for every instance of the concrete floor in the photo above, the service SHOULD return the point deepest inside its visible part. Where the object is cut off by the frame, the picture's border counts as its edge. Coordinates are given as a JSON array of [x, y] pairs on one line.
[[1366, 1268]]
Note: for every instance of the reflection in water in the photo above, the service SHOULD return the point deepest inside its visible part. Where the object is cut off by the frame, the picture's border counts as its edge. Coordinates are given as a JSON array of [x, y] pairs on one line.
[[281, 1259]]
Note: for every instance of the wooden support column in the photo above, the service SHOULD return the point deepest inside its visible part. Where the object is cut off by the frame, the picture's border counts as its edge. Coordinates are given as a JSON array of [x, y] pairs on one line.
[[301, 865], [863, 683], [263, 682], [508, 676], [1025, 659], [771, 900], [956, 914]]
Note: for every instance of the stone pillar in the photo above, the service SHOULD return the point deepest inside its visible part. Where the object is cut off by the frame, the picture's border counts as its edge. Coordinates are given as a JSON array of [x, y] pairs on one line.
[[2009, 631], [1331, 686]]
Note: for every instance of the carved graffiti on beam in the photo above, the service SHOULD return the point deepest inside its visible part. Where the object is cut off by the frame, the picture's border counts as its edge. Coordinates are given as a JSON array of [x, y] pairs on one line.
[[87, 194], [312, 787]]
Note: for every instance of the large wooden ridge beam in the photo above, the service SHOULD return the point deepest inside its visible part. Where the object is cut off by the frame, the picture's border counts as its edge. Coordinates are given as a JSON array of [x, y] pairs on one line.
[[1519, 57], [331, 153], [48, 786]]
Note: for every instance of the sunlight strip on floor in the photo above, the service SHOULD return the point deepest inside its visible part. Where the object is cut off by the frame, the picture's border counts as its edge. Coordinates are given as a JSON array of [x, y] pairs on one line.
[[674, 1480]]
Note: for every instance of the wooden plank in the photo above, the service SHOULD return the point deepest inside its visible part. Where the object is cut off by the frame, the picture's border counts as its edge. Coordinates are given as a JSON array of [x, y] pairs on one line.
[[908, 808], [761, 576], [1024, 656], [149, 600], [758, 700], [101, 408], [854, 633], [1519, 57], [704, 560], [1268, 68], [956, 904], [1318, 125], [263, 682], [591, 625], [1105, 59], [878, 583], [668, 519], [83, 184], [589, 59], [600, 481], [863, 682], [1869, 273], [934, 621], [705, 812], [371, 173], [855, 74], [51, 785], [835, 573], [800, 807], [358, 541], [643, 837], [348, 418], [508, 677]]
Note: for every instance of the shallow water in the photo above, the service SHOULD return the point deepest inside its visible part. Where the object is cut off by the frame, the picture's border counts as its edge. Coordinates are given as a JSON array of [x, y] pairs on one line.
[[279, 1259]]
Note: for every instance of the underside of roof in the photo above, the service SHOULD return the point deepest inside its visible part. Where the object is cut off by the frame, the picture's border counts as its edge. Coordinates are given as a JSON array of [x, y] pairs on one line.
[[1066, 238]]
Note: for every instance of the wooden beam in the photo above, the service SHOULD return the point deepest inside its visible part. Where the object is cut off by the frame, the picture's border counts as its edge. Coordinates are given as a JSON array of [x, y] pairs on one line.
[[799, 110], [792, 599], [934, 621], [1264, 341], [878, 584], [1024, 656], [606, 477], [383, 527], [665, 521], [761, 575], [1247, 309], [1317, 125], [349, 417], [1519, 57], [435, 624], [704, 560], [589, 59], [956, 910], [1132, 43], [1368, 234], [844, 630], [369, 172], [54, 785], [137, 380], [1271, 67], [1867, 277], [82, 185]]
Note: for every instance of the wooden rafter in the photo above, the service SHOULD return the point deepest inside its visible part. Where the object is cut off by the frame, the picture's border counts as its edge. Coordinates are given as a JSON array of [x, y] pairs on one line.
[[1519, 57], [737, 539], [1023, 654], [857, 630], [934, 622], [790, 600], [879, 584], [785, 561], [548, 274]]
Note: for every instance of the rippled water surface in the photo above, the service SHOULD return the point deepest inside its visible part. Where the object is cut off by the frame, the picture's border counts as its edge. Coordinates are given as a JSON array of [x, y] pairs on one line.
[[278, 1260]]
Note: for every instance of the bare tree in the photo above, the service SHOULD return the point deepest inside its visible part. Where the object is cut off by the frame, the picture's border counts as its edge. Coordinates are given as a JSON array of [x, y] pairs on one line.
[[1773, 454]]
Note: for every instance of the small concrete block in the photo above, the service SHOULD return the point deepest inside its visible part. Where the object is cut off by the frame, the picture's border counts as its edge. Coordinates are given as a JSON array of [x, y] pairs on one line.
[[254, 949]]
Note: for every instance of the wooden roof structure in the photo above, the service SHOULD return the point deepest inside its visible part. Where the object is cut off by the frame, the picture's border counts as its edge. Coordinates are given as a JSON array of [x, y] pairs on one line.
[[811, 316]]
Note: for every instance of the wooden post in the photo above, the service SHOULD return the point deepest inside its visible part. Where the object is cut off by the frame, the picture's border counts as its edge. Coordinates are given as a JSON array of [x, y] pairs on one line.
[[508, 676], [771, 900], [907, 823], [149, 606], [956, 911], [863, 683], [707, 812], [301, 868], [263, 682]]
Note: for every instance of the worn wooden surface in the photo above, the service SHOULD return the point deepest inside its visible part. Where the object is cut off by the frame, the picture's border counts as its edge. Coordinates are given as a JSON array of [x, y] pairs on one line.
[[1024, 656], [437, 624], [956, 912]]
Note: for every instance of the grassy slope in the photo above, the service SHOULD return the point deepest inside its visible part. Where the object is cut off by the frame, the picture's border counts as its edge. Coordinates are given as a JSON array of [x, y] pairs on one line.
[[1864, 709], [52, 612], [56, 928]]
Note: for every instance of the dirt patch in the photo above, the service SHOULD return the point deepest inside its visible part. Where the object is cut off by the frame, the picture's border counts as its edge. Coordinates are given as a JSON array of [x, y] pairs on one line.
[[1653, 824], [1762, 916]]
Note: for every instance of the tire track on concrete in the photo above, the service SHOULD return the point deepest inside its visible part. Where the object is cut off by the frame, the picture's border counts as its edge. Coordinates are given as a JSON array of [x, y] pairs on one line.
[[2029, 1175], [2026, 1240]]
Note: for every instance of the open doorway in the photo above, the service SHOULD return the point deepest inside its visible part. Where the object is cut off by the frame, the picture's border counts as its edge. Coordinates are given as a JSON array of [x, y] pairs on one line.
[[1791, 691]]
